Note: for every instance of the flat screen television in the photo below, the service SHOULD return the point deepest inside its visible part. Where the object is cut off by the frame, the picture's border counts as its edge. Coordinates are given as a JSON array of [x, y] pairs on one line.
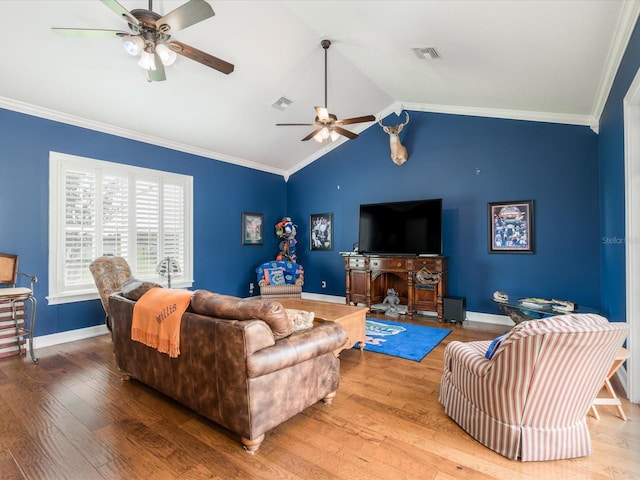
[[401, 228]]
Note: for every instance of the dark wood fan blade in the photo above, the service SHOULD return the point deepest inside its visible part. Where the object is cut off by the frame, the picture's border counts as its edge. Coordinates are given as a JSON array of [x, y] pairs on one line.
[[348, 121], [201, 57], [184, 16], [312, 134], [295, 124], [344, 132], [121, 12], [157, 75], [88, 33]]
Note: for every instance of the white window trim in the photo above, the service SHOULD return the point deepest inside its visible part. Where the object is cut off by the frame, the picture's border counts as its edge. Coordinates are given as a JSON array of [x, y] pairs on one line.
[[58, 164]]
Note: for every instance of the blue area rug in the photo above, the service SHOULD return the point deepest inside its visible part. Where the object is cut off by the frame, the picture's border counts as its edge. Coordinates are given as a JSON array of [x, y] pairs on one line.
[[403, 340]]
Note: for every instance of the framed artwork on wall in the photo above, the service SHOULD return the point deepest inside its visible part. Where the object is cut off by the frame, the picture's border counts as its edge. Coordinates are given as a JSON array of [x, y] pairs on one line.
[[321, 231], [511, 227], [252, 228]]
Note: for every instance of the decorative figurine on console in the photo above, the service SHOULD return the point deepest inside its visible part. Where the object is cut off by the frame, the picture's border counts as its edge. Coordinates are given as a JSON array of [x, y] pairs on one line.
[[286, 232], [393, 301]]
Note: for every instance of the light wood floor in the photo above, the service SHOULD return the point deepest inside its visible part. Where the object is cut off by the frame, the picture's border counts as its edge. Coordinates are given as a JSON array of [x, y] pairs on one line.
[[71, 417]]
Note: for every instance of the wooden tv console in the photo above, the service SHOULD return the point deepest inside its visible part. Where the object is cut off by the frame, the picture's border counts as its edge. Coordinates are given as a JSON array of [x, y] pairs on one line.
[[369, 277]]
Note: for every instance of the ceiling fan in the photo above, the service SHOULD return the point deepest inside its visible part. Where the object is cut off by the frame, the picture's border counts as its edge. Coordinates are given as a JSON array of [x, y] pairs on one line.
[[328, 125], [150, 36]]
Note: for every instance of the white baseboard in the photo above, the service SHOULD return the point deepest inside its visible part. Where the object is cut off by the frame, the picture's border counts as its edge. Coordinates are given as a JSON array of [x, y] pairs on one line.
[[69, 336], [490, 318], [324, 298], [471, 316]]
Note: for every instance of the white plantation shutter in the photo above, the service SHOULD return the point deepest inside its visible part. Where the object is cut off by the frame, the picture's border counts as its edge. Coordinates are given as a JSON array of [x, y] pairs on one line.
[[79, 227], [115, 216], [174, 226], [147, 227], [100, 208]]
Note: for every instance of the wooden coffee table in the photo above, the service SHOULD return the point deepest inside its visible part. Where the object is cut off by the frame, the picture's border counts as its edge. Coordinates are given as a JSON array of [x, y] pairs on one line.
[[352, 318]]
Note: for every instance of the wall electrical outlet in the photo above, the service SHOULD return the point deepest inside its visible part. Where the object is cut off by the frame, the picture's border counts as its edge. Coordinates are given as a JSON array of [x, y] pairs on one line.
[[323, 284]]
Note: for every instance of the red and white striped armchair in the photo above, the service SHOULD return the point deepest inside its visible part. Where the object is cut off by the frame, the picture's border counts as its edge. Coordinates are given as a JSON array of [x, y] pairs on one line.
[[530, 400]]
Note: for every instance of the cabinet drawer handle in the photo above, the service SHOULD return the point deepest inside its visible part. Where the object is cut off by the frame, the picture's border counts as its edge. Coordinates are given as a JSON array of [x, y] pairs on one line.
[[399, 264]]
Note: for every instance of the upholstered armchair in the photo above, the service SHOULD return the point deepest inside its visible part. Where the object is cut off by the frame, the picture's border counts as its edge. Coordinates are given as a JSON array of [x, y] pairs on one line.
[[280, 279], [109, 274], [530, 400]]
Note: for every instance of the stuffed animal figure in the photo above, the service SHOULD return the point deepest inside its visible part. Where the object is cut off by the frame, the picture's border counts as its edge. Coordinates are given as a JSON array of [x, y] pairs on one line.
[[286, 231]]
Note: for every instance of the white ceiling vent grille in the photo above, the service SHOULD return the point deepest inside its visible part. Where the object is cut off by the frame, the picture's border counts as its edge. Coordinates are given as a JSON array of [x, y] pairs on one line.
[[426, 53], [282, 103]]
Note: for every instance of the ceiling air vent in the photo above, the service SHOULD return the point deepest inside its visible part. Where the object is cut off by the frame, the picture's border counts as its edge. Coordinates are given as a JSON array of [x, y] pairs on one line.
[[426, 53], [282, 103]]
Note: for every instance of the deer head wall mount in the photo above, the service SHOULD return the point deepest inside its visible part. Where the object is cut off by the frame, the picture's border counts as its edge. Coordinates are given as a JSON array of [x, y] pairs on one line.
[[399, 153]]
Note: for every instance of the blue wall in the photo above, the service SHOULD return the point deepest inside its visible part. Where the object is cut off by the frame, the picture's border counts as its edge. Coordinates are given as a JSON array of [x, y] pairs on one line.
[[555, 165], [575, 178], [221, 193], [612, 184]]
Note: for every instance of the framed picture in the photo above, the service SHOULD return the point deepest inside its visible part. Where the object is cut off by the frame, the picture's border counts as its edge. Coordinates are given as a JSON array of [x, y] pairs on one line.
[[511, 227], [252, 228], [321, 231]]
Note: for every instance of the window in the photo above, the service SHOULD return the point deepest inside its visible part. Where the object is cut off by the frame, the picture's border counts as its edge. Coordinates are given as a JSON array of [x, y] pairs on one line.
[[101, 208]]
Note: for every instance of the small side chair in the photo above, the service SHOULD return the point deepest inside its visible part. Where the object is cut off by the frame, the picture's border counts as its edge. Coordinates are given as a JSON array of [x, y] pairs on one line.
[[280, 279], [14, 300]]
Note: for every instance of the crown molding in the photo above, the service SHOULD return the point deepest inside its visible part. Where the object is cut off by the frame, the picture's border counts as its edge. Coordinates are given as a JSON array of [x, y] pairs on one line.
[[568, 119], [77, 121], [323, 151], [624, 29], [396, 107]]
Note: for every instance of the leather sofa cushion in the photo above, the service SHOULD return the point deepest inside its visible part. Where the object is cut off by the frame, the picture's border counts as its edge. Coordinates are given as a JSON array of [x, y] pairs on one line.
[[296, 349], [227, 307]]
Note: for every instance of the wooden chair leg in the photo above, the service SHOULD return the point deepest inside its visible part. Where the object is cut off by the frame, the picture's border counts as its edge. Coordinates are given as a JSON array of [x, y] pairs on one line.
[[328, 400], [612, 398], [252, 446]]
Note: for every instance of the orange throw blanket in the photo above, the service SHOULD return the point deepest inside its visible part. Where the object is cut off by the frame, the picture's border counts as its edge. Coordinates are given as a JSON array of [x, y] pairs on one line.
[[156, 319]]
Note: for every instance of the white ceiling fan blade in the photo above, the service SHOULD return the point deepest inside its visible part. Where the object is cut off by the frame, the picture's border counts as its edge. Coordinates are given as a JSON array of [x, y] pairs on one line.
[[88, 33], [121, 12], [157, 74], [184, 16]]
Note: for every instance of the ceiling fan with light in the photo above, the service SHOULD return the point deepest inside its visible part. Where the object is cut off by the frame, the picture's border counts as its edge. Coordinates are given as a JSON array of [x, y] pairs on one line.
[[328, 125], [150, 36]]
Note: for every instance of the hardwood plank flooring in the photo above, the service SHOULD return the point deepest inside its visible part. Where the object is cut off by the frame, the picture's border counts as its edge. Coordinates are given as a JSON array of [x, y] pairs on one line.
[[71, 417]]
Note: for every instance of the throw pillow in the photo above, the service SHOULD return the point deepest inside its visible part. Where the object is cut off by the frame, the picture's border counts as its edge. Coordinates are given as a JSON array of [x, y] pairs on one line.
[[274, 276], [133, 289], [300, 319], [495, 344]]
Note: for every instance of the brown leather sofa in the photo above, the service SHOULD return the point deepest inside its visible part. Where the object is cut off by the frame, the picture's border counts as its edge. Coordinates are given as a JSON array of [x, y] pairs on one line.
[[240, 365]]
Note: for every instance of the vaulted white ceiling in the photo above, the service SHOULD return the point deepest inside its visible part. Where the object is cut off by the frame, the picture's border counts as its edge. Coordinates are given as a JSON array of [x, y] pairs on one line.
[[539, 60]]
